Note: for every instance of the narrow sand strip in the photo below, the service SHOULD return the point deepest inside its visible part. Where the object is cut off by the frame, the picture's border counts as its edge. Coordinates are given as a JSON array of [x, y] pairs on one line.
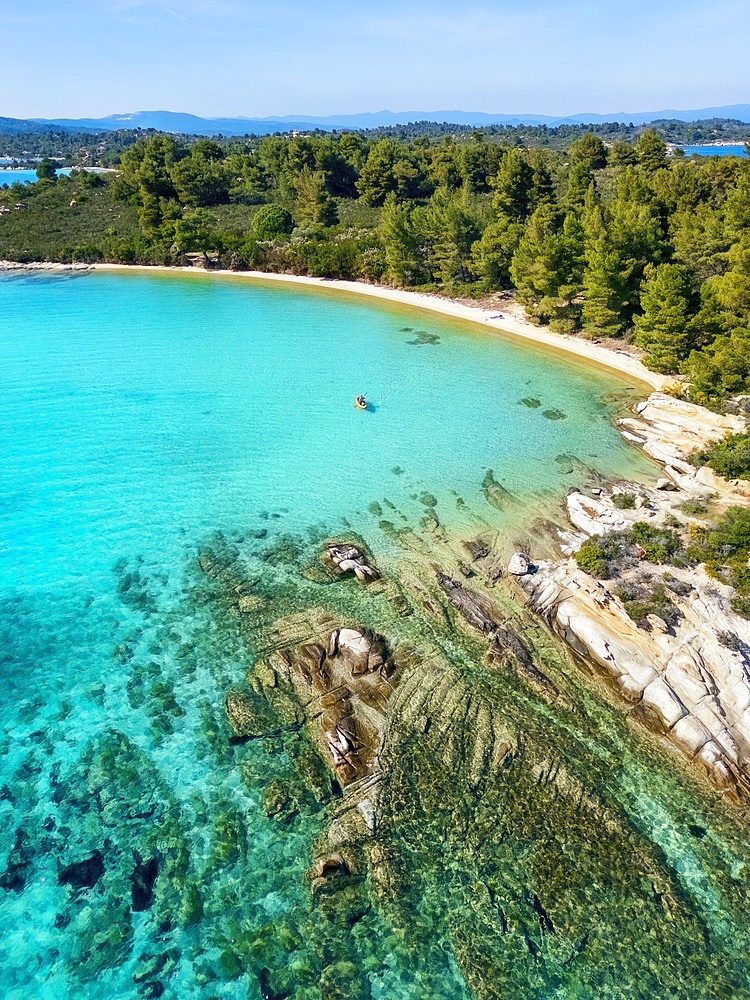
[[585, 349]]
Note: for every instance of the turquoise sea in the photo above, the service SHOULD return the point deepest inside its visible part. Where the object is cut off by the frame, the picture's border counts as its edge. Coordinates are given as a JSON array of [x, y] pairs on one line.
[[147, 417], [706, 150], [10, 176]]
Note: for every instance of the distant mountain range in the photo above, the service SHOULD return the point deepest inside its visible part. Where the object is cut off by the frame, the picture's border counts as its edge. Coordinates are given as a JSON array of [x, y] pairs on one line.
[[176, 122]]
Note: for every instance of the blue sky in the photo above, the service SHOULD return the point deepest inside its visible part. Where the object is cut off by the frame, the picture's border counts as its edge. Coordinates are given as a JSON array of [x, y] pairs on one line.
[[228, 57]]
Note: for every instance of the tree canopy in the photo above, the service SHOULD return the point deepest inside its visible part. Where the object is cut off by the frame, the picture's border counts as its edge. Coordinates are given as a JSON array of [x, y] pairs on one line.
[[612, 237]]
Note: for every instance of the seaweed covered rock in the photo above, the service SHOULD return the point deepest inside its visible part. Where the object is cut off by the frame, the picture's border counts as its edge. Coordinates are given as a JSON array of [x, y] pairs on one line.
[[249, 714]]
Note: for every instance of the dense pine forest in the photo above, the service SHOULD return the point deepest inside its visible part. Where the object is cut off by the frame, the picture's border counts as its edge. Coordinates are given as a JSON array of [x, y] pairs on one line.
[[611, 238]]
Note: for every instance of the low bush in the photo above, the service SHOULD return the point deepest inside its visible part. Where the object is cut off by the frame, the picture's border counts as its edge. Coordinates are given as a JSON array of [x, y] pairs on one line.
[[724, 548], [729, 457], [640, 601], [608, 555], [623, 501], [660, 545], [591, 558], [694, 508]]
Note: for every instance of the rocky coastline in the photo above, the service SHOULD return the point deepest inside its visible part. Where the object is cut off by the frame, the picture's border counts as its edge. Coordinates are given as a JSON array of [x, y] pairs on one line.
[[688, 681], [478, 739], [341, 774]]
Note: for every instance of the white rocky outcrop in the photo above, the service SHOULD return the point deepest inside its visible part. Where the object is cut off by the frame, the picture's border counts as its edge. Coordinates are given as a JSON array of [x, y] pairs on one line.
[[670, 430], [683, 682], [519, 564], [592, 516], [689, 681]]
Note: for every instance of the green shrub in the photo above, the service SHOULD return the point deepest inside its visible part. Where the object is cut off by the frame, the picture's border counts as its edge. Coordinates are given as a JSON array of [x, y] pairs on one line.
[[730, 457], [271, 221], [730, 536], [641, 601], [741, 605], [608, 555], [659, 544], [623, 501], [694, 508], [591, 558], [724, 548]]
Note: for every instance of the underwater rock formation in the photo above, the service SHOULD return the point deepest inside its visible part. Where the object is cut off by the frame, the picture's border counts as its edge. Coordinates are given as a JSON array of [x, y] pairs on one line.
[[344, 558], [504, 643], [477, 814], [441, 779]]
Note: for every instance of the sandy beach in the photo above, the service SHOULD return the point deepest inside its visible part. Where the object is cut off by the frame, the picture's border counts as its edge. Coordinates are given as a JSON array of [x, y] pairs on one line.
[[500, 321]]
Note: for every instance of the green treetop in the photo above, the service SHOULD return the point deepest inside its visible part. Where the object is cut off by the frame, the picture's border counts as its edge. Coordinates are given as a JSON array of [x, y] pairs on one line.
[[46, 170], [651, 151], [664, 330]]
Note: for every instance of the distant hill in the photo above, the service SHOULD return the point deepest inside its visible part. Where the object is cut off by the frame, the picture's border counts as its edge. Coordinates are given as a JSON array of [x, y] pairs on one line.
[[171, 121], [21, 126]]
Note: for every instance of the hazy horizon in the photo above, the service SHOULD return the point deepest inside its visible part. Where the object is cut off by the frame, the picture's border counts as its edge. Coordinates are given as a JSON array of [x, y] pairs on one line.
[[336, 113], [221, 58]]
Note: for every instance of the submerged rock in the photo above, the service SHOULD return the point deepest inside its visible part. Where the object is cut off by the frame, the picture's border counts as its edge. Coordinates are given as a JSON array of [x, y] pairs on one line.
[[495, 493], [19, 864], [82, 874], [344, 558], [250, 715], [142, 881], [479, 613]]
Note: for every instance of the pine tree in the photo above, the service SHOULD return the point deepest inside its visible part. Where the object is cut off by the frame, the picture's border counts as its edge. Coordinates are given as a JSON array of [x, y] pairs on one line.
[[664, 329], [453, 227], [580, 179], [314, 205], [376, 177], [542, 191], [604, 287], [400, 238], [651, 151], [546, 267], [700, 242], [589, 149], [605, 296], [734, 286], [635, 232], [493, 253], [722, 369], [513, 185]]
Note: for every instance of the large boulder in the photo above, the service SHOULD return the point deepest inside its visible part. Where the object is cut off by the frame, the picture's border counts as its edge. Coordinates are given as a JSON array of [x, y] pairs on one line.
[[519, 564]]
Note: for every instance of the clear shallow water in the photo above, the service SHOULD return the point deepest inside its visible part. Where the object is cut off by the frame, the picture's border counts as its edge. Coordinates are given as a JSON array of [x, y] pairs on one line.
[[151, 408], [140, 415]]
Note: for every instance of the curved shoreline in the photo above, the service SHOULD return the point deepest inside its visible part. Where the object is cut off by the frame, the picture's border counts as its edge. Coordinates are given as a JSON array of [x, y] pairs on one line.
[[654, 671], [586, 350]]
